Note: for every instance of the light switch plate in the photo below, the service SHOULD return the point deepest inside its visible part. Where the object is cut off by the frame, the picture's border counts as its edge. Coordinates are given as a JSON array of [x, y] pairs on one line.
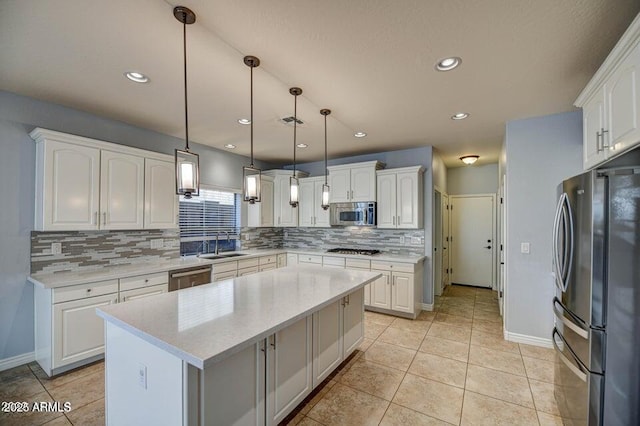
[[415, 240], [142, 376], [525, 248], [401, 239]]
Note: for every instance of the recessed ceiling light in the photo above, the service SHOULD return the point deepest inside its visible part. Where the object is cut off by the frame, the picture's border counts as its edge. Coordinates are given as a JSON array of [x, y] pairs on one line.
[[136, 76], [359, 134], [244, 121], [447, 64], [302, 145], [469, 159], [460, 116], [230, 146]]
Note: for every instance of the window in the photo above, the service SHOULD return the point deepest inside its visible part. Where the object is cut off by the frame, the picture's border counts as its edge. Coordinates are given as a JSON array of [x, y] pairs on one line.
[[213, 215]]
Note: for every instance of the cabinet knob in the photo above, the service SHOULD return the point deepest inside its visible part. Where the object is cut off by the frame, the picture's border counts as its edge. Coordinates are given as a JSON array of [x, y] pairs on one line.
[[146, 280], [88, 290]]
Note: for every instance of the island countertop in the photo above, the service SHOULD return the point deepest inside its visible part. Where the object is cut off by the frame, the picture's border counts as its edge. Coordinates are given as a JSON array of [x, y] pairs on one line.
[[204, 324]]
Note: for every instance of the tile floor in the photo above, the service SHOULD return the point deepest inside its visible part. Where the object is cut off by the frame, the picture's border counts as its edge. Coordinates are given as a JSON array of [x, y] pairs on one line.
[[450, 366]]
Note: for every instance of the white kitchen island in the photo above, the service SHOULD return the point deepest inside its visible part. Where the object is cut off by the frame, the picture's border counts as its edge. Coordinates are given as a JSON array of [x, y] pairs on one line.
[[244, 351]]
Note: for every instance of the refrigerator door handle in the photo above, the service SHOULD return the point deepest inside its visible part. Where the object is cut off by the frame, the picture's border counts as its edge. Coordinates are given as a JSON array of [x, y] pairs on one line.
[[577, 325], [576, 366], [554, 245], [568, 261]]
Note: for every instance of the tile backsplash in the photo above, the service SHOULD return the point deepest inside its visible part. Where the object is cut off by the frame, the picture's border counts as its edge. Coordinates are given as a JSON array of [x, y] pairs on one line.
[[96, 249], [261, 238]]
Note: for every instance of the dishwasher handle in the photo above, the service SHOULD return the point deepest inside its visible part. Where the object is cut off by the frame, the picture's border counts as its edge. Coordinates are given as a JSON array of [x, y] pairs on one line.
[[189, 273]]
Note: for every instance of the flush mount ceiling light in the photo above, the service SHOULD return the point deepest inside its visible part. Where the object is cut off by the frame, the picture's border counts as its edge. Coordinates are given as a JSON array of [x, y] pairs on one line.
[[302, 145], [136, 76], [359, 134], [294, 193], [460, 116], [244, 121], [187, 163], [325, 188], [469, 159], [230, 146], [447, 64], [251, 175]]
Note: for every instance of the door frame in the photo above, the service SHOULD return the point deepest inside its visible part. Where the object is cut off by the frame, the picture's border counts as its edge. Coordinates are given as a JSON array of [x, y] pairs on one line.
[[493, 197], [436, 243]]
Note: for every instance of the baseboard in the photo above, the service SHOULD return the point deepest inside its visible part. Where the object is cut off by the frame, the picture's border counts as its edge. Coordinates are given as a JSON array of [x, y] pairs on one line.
[[528, 340], [17, 360], [427, 306]]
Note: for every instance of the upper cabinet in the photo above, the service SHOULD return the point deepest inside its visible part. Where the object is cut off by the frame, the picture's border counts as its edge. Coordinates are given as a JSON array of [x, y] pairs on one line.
[[400, 198], [353, 182], [611, 102], [284, 215], [261, 214], [311, 213], [83, 184]]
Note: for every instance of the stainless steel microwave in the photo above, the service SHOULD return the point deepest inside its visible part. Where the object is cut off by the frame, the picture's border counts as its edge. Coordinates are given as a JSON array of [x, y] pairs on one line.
[[353, 214]]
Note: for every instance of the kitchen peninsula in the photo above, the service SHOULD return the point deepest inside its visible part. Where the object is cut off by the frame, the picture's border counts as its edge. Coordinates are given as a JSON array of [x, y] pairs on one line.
[[242, 351]]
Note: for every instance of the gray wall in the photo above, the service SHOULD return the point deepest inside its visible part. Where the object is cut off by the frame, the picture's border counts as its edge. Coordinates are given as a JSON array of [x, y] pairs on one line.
[[18, 116], [473, 179], [540, 153]]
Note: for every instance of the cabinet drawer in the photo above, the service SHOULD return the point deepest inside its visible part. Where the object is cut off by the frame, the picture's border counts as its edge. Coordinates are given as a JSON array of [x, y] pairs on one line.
[[140, 281], [358, 263], [310, 258], [392, 266], [292, 259], [82, 291], [219, 268], [268, 267], [248, 271], [138, 293], [268, 260], [248, 263], [224, 275], [333, 261]]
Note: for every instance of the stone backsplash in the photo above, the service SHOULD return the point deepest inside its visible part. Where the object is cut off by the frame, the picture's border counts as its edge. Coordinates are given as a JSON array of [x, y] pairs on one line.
[[261, 238], [96, 249]]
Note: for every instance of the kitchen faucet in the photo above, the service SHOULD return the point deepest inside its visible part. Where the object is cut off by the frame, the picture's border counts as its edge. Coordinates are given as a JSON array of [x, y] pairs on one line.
[[217, 236]]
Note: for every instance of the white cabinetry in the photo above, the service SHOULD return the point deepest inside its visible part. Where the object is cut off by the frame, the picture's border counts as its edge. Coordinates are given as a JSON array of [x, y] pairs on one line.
[[121, 191], [399, 196], [361, 265], [353, 182], [139, 286], [311, 213], [160, 199], [261, 214], [282, 260], [283, 214], [611, 102], [399, 289]]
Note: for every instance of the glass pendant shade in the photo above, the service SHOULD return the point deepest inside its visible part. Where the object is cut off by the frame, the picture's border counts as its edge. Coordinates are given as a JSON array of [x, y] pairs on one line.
[[294, 191], [187, 173], [325, 197], [251, 186]]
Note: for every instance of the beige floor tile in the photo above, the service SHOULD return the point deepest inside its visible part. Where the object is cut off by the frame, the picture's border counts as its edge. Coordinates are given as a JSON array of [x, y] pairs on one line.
[[405, 338], [450, 332], [549, 420], [378, 318], [346, 406], [17, 384], [499, 385], [487, 316], [543, 397], [59, 421], [308, 421], [483, 410], [52, 382], [447, 348], [491, 307], [496, 360], [315, 396], [411, 325], [493, 341], [82, 391], [390, 355], [29, 417], [13, 372], [539, 369], [434, 367], [88, 415], [397, 415], [373, 330], [292, 421], [372, 378], [461, 290], [432, 398], [460, 311], [426, 316], [546, 354], [452, 320], [462, 302], [365, 344], [488, 326]]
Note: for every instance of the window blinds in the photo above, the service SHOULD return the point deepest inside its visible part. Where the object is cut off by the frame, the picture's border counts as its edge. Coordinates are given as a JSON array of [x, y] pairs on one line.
[[212, 213]]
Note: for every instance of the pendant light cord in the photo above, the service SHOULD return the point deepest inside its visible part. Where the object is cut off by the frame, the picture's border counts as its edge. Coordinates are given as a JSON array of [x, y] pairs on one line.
[[186, 104], [295, 126], [251, 116], [325, 149]]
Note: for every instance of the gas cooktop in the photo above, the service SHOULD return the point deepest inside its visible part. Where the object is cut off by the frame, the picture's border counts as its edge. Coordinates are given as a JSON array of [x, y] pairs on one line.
[[353, 251]]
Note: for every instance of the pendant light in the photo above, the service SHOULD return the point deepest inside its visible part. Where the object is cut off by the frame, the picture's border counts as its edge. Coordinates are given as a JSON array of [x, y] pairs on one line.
[[325, 187], [294, 186], [187, 163], [251, 174]]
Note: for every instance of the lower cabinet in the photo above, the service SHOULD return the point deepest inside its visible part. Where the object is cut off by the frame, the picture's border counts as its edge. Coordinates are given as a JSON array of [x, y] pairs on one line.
[[399, 289], [282, 260], [139, 293], [248, 271], [381, 291]]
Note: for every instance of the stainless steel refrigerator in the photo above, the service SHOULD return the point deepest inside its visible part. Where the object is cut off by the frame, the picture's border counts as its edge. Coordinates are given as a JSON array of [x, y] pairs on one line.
[[596, 262]]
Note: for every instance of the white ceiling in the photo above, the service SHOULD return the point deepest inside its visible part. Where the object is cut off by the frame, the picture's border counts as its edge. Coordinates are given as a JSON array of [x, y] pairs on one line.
[[370, 61]]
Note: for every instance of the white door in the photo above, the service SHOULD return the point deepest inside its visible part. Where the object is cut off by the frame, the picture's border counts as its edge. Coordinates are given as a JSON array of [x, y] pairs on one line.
[[445, 240], [472, 248], [306, 206], [321, 219], [340, 182], [327, 341], [72, 187], [381, 291], [160, 199], [437, 243], [592, 124], [402, 292], [353, 322], [407, 200], [121, 191], [623, 103], [363, 184], [386, 209]]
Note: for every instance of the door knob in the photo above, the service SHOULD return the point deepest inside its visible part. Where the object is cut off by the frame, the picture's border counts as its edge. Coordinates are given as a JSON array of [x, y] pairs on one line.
[[488, 247]]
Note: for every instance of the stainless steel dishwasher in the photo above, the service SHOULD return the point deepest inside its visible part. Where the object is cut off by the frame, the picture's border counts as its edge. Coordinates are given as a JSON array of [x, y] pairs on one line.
[[189, 277]]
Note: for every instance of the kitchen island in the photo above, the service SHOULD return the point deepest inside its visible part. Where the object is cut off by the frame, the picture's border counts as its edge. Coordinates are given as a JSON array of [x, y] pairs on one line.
[[242, 351]]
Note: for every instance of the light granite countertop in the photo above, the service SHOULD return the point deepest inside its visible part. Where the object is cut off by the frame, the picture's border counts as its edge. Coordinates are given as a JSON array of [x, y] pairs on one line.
[[205, 324]]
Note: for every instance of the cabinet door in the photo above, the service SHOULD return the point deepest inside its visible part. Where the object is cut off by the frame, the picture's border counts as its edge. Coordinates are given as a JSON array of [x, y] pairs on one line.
[[340, 183], [224, 276], [386, 198], [306, 206], [282, 260], [261, 214], [367, 295], [407, 201], [402, 291], [592, 123], [140, 293], [78, 333], [353, 323], [284, 214], [623, 104], [381, 291], [121, 191], [71, 188], [327, 341], [248, 271], [292, 259], [363, 184], [289, 369], [160, 199], [321, 215]]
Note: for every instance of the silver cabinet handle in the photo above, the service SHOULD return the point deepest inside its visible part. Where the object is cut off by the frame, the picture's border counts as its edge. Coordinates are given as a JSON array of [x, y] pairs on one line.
[[394, 220], [352, 194], [602, 132], [398, 221], [104, 218], [274, 342], [95, 218], [598, 149], [347, 194]]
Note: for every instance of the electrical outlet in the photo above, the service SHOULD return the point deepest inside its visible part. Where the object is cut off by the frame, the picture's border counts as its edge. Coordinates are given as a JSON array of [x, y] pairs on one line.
[[525, 248], [401, 239], [415, 240], [142, 376], [286, 234], [157, 243], [56, 248], [246, 237]]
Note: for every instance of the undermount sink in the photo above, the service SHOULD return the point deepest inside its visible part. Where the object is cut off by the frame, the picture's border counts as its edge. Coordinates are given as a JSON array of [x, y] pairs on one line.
[[220, 256]]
